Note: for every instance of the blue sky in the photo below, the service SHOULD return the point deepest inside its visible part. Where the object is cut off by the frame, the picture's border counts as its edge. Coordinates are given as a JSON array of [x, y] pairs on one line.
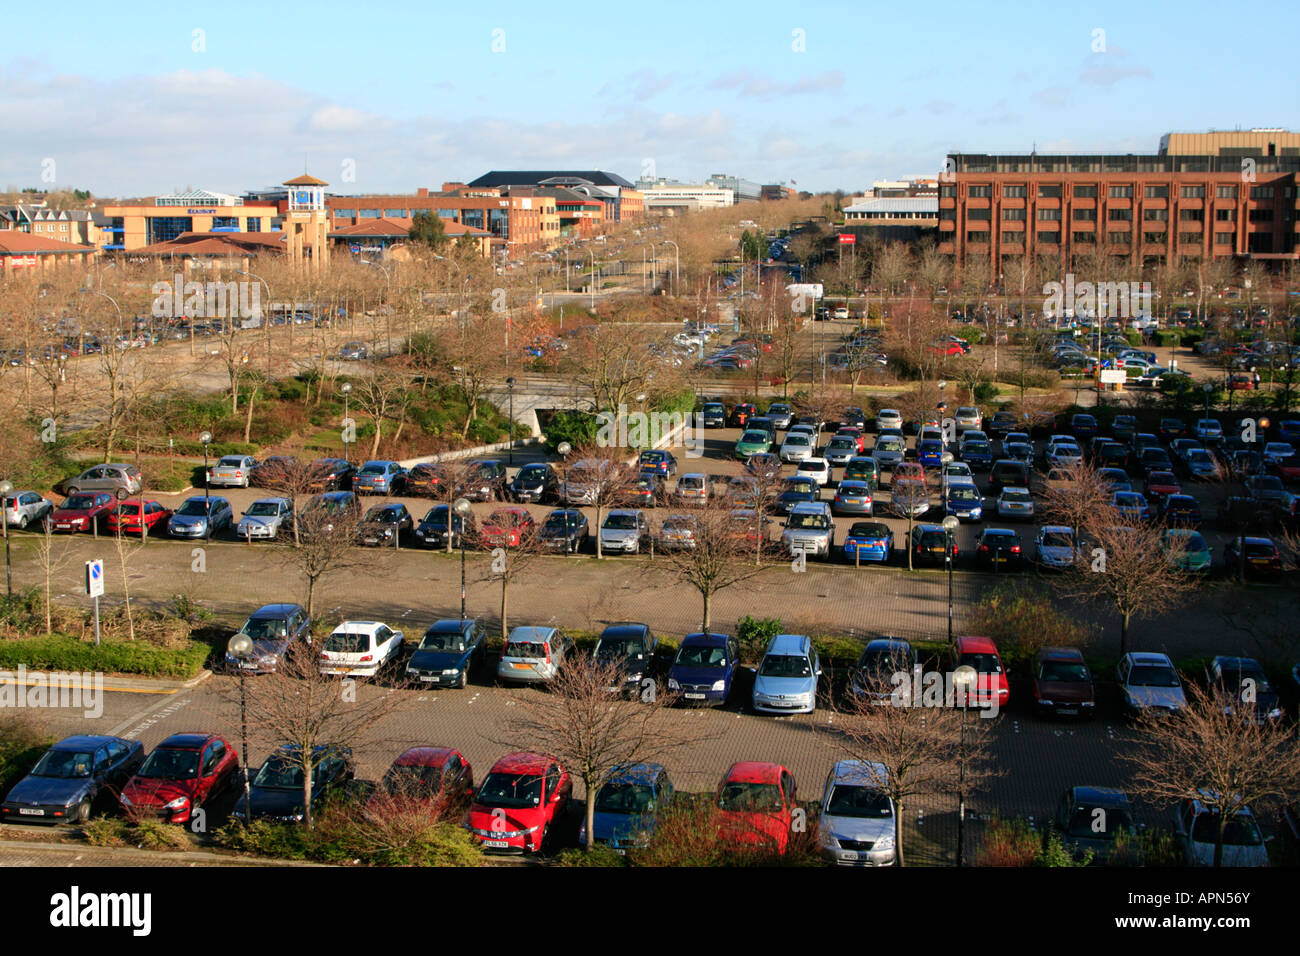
[[385, 96]]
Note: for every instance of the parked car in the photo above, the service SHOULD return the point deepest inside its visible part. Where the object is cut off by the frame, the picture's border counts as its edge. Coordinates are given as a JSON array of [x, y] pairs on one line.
[[121, 481], [797, 447], [1131, 506], [183, 773], [535, 482], [1147, 680], [330, 509], [991, 681], [1015, 504], [533, 655], [626, 804], [1009, 471], [330, 474], [1198, 831], [869, 541], [354, 352], [232, 471], [704, 668], [714, 414], [1056, 547], [276, 791], [73, 778], [274, 471], [137, 517], [275, 630], [818, 469], [448, 653], [23, 508], [852, 498], [565, 530], [200, 517], [265, 519], [484, 479], [1255, 556], [857, 817], [757, 804], [430, 775], [1244, 687], [360, 649], [781, 414], [624, 530], [787, 676], [873, 676], [1063, 684], [632, 647], [810, 530], [532, 792], [929, 544], [1097, 820], [432, 531], [380, 478], [998, 549], [863, 468], [662, 463]]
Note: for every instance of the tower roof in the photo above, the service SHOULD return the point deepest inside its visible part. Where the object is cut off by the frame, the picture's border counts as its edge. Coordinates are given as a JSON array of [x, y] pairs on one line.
[[304, 180]]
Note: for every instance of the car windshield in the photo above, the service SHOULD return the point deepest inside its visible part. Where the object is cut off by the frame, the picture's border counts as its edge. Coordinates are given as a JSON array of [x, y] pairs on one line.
[[618, 647], [978, 447], [785, 665], [812, 522], [526, 649], [1067, 672], [196, 506], [869, 531], [265, 628], [749, 796], [442, 641], [263, 509], [166, 763], [80, 503], [383, 514], [884, 664], [1084, 822], [1233, 675], [373, 469], [280, 772], [889, 444], [856, 801], [412, 780], [63, 764], [679, 524], [347, 642], [531, 473], [699, 656], [625, 798], [1239, 831], [964, 493], [1021, 497], [1153, 675], [230, 463], [436, 518], [559, 524], [754, 436], [621, 523], [983, 663], [797, 439], [510, 790], [1057, 539]]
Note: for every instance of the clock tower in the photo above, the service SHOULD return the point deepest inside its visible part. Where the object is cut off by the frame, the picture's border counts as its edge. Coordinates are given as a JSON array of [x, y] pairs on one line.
[[306, 222]]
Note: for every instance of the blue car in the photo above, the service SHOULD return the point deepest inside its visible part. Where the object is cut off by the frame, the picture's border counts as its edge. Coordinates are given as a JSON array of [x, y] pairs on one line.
[[73, 777], [379, 478], [626, 806], [978, 454], [447, 653], [964, 502], [704, 667], [930, 453], [1132, 506], [869, 541]]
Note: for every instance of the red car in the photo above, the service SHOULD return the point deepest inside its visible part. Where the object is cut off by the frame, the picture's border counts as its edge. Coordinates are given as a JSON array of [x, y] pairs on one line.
[[1288, 469], [757, 802], [848, 431], [507, 528], [982, 654], [947, 348], [429, 775], [182, 773], [126, 517], [80, 512], [1162, 483], [523, 796]]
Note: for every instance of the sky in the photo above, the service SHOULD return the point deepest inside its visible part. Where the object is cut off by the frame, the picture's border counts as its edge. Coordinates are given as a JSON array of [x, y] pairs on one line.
[[145, 98]]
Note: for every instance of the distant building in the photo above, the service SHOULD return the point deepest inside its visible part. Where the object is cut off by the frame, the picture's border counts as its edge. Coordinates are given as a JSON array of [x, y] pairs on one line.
[[622, 200], [127, 228], [776, 192], [68, 225], [742, 190], [668, 196], [909, 211]]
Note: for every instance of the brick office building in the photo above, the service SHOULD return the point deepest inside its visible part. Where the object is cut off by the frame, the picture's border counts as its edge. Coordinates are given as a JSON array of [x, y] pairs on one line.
[[1202, 196]]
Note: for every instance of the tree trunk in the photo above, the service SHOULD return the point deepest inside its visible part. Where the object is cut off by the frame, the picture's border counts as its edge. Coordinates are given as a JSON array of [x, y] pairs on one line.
[[1123, 633], [705, 594], [599, 553], [1218, 838], [248, 421], [311, 597], [505, 585], [898, 833], [591, 818], [306, 788], [374, 445]]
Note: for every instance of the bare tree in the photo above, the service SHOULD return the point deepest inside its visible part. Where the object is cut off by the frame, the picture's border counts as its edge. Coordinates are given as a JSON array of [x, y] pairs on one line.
[[325, 546], [51, 561], [594, 732], [1214, 752], [1075, 500], [890, 267], [716, 558], [383, 395], [508, 562], [451, 478], [599, 476]]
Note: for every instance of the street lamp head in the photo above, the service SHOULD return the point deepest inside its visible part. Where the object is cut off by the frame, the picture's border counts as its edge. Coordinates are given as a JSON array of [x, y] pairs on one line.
[[965, 676], [510, 382], [564, 448], [205, 438], [461, 506], [6, 487], [240, 647], [951, 524], [346, 388]]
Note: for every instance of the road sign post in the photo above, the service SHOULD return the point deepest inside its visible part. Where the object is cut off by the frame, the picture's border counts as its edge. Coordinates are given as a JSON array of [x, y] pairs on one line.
[[95, 587]]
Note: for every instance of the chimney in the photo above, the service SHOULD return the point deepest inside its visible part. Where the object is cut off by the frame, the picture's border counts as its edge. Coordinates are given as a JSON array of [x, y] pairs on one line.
[[422, 193], [452, 187]]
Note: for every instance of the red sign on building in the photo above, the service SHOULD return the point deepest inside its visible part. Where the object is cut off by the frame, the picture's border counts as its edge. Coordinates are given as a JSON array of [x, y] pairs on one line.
[[847, 238]]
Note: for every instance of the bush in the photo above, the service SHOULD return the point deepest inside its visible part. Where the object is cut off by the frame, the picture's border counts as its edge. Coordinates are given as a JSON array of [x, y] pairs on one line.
[[689, 832], [59, 652], [598, 855], [22, 742], [1011, 843], [1020, 618], [576, 428], [106, 831], [754, 634], [1054, 852], [1169, 339], [985, 392]]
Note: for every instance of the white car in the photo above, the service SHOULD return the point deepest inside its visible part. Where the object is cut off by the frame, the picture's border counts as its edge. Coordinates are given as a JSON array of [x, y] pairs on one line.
[[968, 416], [857, 815], [955, 472], [360, 649], [21, 508], [1209, 429], [1198, 830], [841, 313], [818, 469], [798, 446], [1056, 547], [1276, 452], [888, 418], [1016, 503], [1064, 456]]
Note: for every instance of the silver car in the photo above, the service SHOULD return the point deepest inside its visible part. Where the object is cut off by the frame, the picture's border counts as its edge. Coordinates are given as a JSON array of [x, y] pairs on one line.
[[232, 471], [584, 482], [624, 529], [265, 518], [857, 816], [1198, 826], [533, 655], [810, 530], [21, 508], [120, 480], [786, 682], [1149, 680], [191, 519]]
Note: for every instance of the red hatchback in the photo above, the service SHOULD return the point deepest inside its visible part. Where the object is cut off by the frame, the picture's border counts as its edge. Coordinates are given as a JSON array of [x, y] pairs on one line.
[[757, 802], [182, 773], [126, 517], [430, 775], [982, 654], [1162, 483], [521, 800], [507, 528], [82, 512]]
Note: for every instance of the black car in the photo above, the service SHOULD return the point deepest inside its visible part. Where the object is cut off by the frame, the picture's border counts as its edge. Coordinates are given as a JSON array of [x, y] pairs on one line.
[[714, 415], [72, 778], [274, 472], [431, 532], [535, 482], [632, 646], [1008, 473], [999, 548], [742, 413], [565, 529], [448, 653], [385, 525], [276, 792], [1002, 423], [796, 491], [855, 417], [330, 509], [485, 480], [273, 629], [330, 474], [1245, 686], [880, 661]]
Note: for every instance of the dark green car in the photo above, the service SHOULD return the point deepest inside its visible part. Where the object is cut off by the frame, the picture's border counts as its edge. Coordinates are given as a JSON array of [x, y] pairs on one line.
[[863, 468], [754, 441]]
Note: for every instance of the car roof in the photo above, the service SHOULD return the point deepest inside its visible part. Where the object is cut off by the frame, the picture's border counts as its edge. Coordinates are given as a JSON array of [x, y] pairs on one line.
[[1060, 654], [424, 757], [268, 611], [888, 644], [1006, 488], [451, 626], [701, 639], [529, 633], [625, 629], [1149, 657], [810, 507], [83, 741], [637, 773], [1100, 796], [521, 762], [862, 773], [187, 741], [1055, 529], [754, 771], [975, 645], [357, 627], [785, 644]]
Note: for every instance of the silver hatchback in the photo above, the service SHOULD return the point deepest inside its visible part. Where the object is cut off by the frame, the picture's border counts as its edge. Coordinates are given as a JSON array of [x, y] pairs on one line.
[[119, 480], [533, 655]]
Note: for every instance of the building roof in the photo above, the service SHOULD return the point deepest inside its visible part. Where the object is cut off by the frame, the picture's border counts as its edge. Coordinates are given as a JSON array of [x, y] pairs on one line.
[[534, 177], [215, 244], [921, 204], [198, 197], [387, 227], [305, 180], [14, 243]]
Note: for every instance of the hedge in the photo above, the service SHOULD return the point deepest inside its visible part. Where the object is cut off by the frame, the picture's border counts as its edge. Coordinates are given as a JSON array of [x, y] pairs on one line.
[[59, 652]]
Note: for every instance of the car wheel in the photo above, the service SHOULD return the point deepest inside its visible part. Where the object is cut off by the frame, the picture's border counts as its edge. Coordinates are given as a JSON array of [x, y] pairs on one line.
[[121, 494], [73, 490], [83, 810], [22, 525]]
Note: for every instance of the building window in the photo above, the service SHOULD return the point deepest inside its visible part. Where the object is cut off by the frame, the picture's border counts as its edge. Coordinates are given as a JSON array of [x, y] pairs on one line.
[[1085, 192], [224, 223], [396, 214], [947, 192], [980, 192], [1156, 192], [1085, 215], [1154, 238], [1119, 238], [1049, 215], [252, 224], [977, 238], [1191, 215], [1223, 238], [1119, 215], [1079, 237], [1261, 192], [1052, 237], [1121, 192], [1261, 215], [472, 217], [1226, 192], [1013, 215], [1192, 192], [369, 213], [1014, 192], [1009, 236], [947, 215], [979, 214], [345, 214], [1189, 238], [166, 228], [1225, 215], [1155, 215], [1049, 192]]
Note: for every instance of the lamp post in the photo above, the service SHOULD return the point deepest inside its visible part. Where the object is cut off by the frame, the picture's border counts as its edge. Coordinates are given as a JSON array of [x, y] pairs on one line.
[[593, 278], [950, 526], [964, 677], [461, 507], [266, 317], [206, 439], [1207, 388], [677, 264], [241, 648], [510, 452], [5, 488], [347, 390]]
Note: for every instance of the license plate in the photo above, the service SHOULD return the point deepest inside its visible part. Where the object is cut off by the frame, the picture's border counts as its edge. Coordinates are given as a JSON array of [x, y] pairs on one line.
[[694, 696], [62, 524], [247, 666], [28, 811], [522, 667], [1068, 711], [426, 677], [497, 844]]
